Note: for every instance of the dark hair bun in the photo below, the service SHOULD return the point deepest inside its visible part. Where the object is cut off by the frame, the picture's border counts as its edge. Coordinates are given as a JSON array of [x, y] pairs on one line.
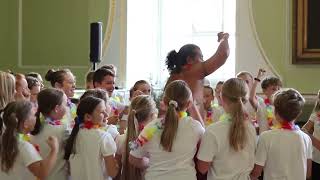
[[171, 61], [50, 74]]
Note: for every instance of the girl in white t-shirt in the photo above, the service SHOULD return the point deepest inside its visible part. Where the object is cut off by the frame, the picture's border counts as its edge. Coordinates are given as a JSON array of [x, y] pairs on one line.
[[19, 158], [52, 107], [89, 149], [102, 94], [141, 111], [227, 147], [284, 152], [312, 128], [167, 146]]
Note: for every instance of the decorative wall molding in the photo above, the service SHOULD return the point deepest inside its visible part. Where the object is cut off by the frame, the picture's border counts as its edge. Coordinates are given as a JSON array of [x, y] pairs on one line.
[[258, 42], [20, 46]]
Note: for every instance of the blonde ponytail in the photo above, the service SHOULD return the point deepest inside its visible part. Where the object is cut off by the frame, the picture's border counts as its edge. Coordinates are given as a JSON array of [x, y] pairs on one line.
[[237, 133], [170, 128], [176, 96], [234, 93], [140, 110]]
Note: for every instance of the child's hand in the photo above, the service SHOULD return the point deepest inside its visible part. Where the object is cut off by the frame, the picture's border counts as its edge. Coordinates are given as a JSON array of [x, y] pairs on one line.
[[52, 141], [223, 36], [261, 73], [113, 120], [137, 93]]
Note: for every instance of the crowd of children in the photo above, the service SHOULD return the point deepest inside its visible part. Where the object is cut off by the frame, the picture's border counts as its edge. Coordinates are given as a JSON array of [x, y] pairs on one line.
[[232, 134]]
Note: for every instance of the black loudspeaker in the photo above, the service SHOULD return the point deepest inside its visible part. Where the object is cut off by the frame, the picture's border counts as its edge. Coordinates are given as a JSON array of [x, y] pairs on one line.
[[95, 42]]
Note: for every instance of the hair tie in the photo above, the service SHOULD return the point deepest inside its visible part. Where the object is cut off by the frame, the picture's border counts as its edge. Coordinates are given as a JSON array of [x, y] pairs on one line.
[[174, 103]]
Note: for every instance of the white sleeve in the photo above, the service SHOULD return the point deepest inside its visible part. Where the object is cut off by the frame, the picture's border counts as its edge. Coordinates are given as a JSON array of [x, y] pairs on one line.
[[113, 131], [313, 117], [261, 152], [208, 147], [199, 130], [120, 141], [108, 146], [29, 154]]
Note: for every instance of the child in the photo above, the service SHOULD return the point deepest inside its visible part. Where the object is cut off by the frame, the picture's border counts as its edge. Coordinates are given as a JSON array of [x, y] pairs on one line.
[[7, 89], [312, 128], [22, 90], [227, 147], [265, 115], [285, 151], [34, 87], [89, 149], [140, 87], [252, 111], [142, 110], [89, 80], [170, 143], [37, 76], [64, 80], [52, 106], [104, 79], [102, 94], [217, 92], [19, 158], [213, 111]]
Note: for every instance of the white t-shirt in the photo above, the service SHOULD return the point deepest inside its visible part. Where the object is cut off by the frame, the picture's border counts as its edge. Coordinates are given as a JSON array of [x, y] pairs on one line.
[[26, 156], [284, 154], [112, 130], [227, 164], [59, 171], [316, 133], [175, 165], [91, 146]]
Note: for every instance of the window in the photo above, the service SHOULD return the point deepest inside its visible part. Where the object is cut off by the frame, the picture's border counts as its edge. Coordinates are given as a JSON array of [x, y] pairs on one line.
[[156, 27]]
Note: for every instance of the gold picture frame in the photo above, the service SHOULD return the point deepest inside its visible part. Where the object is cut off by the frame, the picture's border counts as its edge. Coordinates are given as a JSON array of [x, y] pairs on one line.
[[306, 32]]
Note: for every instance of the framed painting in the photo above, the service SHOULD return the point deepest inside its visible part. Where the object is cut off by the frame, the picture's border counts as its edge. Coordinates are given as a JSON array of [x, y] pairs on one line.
[[306, 32]]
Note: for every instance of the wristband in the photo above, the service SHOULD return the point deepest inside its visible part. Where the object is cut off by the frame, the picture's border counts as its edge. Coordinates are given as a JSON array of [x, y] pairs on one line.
[[257, 79]]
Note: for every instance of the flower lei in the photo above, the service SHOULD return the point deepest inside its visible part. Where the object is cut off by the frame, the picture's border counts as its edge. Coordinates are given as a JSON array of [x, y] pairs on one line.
[[90, 125], [53, 122], [269, 109], [225, 117], [26, 137], [147, 134], [287, 126], [209, 118], [73, 109], [50, 121]]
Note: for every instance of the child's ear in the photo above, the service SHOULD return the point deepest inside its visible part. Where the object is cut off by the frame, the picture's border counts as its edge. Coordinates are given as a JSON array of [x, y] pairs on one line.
[[56, 108], [87, 117], [189, 103], [57, 85]]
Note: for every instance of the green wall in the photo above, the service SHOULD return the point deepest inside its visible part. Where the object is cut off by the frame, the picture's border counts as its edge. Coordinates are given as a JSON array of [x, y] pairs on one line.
[[274, 29], [53, 34]]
